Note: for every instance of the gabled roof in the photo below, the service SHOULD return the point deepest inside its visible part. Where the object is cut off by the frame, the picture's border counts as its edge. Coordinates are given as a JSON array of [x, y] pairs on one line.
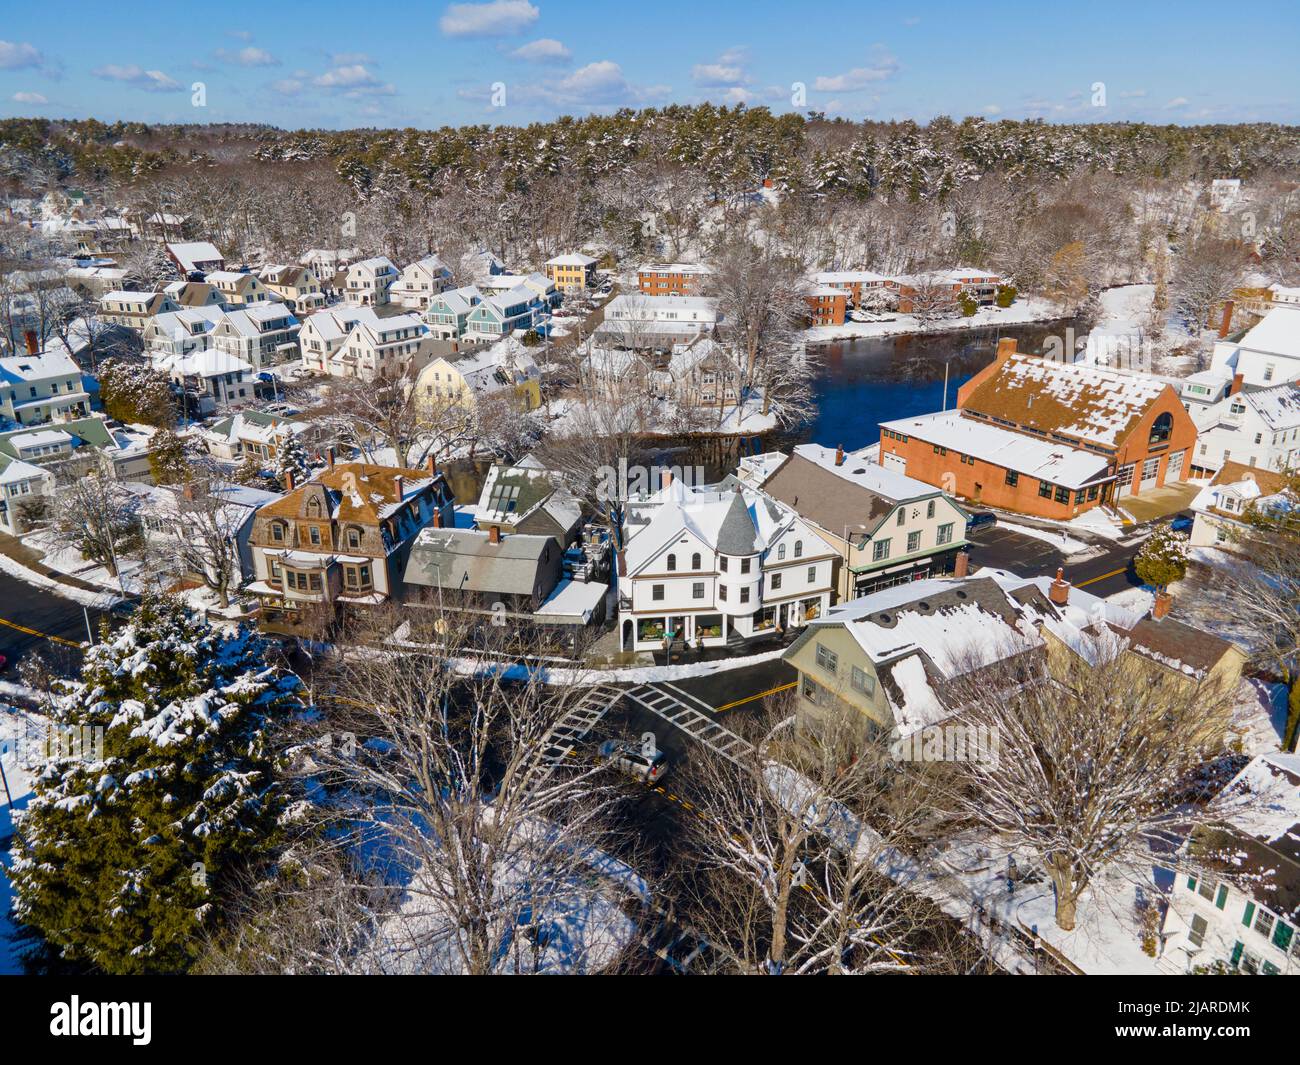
[[858, 492], [355, 491], [190, 253], [1085, 402], [1278, 407], [466, 560]]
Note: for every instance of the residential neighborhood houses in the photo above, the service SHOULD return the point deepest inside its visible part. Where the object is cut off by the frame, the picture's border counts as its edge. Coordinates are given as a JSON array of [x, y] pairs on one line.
[[406, 457]]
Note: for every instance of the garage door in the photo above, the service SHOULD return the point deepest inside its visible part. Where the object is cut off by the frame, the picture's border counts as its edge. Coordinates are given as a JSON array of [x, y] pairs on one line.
[[1175, 470], [897, 463], [1150, 471]]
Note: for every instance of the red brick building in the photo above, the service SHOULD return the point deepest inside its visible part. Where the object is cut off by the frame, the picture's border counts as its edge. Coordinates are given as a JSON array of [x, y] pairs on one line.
[[827, 306], [672, 279], [1047, 438]]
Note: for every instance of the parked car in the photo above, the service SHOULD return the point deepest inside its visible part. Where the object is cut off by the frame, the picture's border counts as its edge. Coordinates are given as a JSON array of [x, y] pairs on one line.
[[631, 760], [1182, 523], [980, 519]]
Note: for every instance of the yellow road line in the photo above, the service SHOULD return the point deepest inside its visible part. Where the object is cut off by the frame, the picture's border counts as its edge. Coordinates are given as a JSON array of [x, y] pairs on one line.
[[760, 695], [37, 632], [1094, 580]]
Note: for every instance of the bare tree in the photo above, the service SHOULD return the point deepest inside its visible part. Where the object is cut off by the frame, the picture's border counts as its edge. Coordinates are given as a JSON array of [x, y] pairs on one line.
[[791, 849], [208, 545], [1205, 274], [1093, 761], [487, 844], [92, 509]]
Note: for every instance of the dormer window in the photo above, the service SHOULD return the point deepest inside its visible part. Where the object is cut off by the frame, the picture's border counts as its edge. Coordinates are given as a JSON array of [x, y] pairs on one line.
[[277, 532]]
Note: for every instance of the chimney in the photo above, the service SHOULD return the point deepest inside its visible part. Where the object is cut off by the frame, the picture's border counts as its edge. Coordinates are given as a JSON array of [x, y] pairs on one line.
[[437, 518], [961, 564], [1160, 608], [398, 488], [431, 464], [288, 480], [33, 346], [1225, 326], [1006, 348], [1059, 592], [187, 490], [1237, 380], [494, 534], [665, 478], [329, 456], [839, 455], [622, 564]]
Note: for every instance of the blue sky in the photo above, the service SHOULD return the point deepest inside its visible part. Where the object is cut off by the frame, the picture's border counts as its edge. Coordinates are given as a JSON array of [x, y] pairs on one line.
[[319, 64]]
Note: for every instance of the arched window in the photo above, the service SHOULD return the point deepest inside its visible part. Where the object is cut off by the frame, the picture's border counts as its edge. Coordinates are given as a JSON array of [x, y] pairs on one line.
[[798, 549], [1162, 428], [695, 561], [780, 552], [672, 563]]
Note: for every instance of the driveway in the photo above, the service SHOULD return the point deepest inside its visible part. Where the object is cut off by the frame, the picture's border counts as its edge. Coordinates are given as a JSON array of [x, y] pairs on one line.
[[1158, 503]]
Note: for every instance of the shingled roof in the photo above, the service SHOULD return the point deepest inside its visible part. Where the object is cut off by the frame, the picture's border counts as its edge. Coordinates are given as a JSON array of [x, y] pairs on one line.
[[354, 491], [1082, 402]]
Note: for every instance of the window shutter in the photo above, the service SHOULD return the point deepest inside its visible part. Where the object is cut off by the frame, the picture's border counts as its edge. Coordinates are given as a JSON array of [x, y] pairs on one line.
[[1191, 883], [1282, 933], [1236, 953], [1250, 912], [1223, 896]]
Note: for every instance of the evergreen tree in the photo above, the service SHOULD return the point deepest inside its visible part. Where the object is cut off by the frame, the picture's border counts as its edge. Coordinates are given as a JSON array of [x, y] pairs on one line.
[[136, 835], [168, 461], [292, 458], [1163, 558]]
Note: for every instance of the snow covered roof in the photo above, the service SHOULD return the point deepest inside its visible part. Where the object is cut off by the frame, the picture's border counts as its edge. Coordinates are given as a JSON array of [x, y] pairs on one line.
[[850, 277], [192, 253], [1278, 406], [15, 369], [1278, 333], [572, 259], [206, 363], [1077, 400], [1044, 459]]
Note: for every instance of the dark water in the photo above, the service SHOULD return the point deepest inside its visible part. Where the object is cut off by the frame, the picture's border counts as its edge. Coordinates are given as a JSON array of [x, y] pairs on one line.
[[862, 383]]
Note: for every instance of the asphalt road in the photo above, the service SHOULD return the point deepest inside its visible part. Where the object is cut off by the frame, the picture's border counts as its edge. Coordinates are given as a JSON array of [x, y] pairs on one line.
[[33, 618], [1103, 574]]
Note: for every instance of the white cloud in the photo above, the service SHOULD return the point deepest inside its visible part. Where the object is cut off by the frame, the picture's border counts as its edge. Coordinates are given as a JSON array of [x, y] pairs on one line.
[[344, 59], [1132, 94], [240, 35], [288, 86], [543, 50], [727, 70], [346, 77], [859, 77], [1177, 101], [30, 98], [595, 85], [19, 56], [248, 57], [992, 109], [148, 80], [500, 18]]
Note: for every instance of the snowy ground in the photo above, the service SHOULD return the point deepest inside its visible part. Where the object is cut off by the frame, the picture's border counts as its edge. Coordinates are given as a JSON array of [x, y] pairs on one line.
[[39, 580], [62, 557], [1023, 311], [19, 730]]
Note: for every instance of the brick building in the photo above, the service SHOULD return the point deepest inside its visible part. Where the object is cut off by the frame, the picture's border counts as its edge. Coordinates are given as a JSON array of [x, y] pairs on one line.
[[1046, 438], [672, 279], [827, 305]]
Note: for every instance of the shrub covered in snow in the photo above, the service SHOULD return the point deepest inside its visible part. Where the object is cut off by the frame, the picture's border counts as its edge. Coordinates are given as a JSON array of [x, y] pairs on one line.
[[137, 832], [1163, 558]]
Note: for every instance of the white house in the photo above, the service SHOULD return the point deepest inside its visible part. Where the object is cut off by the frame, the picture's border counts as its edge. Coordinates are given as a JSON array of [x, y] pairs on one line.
[[38, 388], [183, 331], [219, 379], [356, 342], [1237, 904], [369, 281], [1256, 428], [22, 484], [195, 257], [1220, 508], [636, 321], [261, 334], [134, 309], [420, 282], [705, 566], [1268, 354]]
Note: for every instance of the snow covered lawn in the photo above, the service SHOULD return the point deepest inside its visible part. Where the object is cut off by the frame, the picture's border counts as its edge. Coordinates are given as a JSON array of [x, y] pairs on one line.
[[1022, 312]]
